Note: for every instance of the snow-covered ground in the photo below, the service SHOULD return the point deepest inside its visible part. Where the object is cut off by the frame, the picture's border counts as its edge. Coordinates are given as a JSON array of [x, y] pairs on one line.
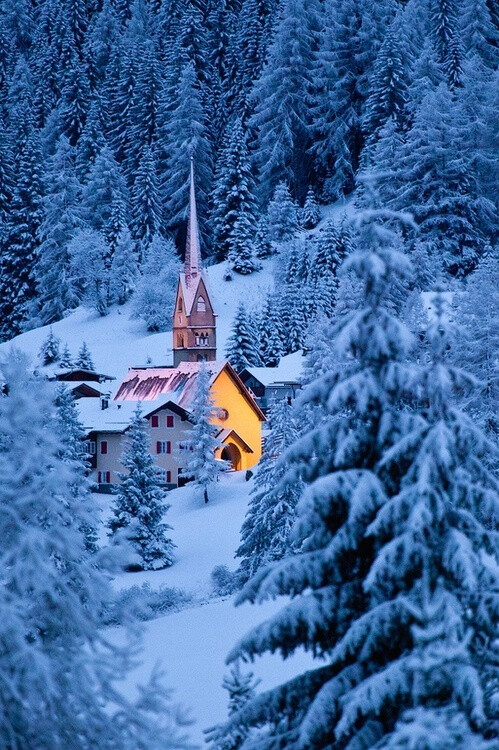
[[118, 341], [191, 645]]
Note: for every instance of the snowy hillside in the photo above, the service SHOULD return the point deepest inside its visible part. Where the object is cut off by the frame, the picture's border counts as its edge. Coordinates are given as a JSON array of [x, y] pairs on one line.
[[118, 341], [192, 644]]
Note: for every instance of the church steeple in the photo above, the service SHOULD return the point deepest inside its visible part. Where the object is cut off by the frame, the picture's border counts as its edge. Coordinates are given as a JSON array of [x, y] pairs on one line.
[[194, 321], [191, 265]]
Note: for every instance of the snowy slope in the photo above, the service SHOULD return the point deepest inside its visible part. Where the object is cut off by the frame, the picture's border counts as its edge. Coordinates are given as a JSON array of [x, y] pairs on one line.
[[191, 645], [118, 341]]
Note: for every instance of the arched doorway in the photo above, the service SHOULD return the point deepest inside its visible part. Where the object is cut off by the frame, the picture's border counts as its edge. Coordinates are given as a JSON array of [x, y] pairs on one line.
[[232, 454]]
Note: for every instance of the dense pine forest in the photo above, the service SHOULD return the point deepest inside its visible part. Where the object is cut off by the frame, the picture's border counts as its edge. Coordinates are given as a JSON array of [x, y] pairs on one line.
[[345, 156], [284, 104]]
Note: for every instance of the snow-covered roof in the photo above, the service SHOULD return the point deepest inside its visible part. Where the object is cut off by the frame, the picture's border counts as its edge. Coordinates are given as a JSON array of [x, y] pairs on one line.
[[289, 370], [118, 415], [148, 383]]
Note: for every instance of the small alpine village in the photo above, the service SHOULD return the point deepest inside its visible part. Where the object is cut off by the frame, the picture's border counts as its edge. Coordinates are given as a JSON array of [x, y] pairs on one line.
[[249, 375]]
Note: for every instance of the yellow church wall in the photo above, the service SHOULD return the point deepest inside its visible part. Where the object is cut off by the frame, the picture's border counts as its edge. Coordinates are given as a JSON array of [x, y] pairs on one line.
[[242, 417]]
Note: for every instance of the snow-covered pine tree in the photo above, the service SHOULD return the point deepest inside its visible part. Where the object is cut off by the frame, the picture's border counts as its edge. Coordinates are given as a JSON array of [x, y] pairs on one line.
[[269, 334], [271, 512], [124, 269], [280, 101], [184, 134], [438, 185], [89, 254], [282, 215], [235, 206], [241, 688], [310, 213], [73, 453], [201, 441], [84, 358], [476, 342], [64, 674], [361, 418], [49, 351], [155, 294], [65, 360], [104, 189], [430, 582], [147, 214], [242, 344], [140, 503], [445, 32], [20, 238], [349, 40], [62, 217]]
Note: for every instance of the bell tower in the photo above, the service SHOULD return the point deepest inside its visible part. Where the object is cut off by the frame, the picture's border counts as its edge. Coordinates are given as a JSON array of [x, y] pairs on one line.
[[194, 320]]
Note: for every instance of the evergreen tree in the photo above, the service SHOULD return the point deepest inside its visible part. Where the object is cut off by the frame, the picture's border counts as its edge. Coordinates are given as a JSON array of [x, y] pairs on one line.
[[49, 351], [124, 269], [282, 215], [439, 186], [63, 672], [73, 453], [140, 502], [388, 84], [75, 98], [444, 27], [270, 335], [19, 252], [480, 36], [241, 689], [84, 359], [310, 215], [62, 217], [476, 343], [201, 443], [65, 360], [280, 100], [155, 294], [242, 345], [265, 533], [104, 189], [359, 402], [349, 41], [146, 207], [235, 207], [184, 135], [89, 256]]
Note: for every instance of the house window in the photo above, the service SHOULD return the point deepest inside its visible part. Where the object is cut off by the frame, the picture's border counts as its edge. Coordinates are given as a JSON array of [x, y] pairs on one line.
[[104, 477], [170, 421], [180, 306], [180, 341], [90, 447], [201, 304], [103, 447], [161, 475], [154, 420], [163, 446]]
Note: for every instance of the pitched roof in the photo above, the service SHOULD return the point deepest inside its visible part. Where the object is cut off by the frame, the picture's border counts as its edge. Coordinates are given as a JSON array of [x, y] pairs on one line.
[[289, 370], [179, 383], [119, 414]]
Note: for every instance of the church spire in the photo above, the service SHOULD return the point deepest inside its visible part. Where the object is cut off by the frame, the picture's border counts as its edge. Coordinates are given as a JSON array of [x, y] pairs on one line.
[[192, 252]]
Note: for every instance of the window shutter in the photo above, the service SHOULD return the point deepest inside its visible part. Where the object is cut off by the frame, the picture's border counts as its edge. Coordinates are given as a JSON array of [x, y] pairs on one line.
[[168, 476], [170, 421], [99, 478], [108, 477], [168, 447], [103, 447], [158, 446], [155, 420]]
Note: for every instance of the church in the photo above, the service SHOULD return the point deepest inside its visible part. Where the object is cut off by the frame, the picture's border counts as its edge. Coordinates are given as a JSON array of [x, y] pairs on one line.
[[166, 393]]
